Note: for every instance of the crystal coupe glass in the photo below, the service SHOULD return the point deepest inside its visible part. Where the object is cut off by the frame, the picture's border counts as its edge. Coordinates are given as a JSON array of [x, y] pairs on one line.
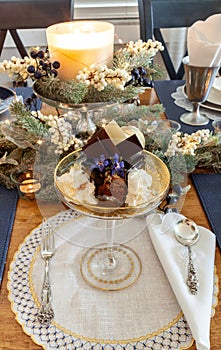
[[110, 265]]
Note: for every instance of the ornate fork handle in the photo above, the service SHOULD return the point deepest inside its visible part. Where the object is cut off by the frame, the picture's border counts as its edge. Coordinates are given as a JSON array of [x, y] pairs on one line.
[[46, 313], [192, 279]]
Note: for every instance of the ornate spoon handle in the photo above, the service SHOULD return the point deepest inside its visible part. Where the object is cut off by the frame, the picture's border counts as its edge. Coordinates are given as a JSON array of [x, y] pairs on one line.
[[192, 279]]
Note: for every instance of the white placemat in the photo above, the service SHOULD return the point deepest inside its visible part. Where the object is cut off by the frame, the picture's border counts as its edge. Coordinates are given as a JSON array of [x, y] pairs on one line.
[[145, 315]]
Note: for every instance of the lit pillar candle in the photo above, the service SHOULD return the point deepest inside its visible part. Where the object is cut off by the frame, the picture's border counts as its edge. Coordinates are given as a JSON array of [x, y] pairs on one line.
[[80, 44]]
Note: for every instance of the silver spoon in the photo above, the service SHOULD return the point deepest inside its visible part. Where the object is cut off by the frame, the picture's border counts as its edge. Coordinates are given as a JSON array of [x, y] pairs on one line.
[[187, 233]]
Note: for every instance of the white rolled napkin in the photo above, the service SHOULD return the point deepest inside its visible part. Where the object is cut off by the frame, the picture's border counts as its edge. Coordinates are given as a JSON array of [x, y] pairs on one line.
[[204, 42], [174, 259]]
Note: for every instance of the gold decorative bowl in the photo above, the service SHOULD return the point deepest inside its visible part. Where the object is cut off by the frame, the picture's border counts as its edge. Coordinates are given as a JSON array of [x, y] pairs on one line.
[[108, 209]]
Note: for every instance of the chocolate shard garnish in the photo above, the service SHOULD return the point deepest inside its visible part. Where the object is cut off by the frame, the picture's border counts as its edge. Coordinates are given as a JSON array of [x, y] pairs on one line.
[[102, 143], [129, 148]]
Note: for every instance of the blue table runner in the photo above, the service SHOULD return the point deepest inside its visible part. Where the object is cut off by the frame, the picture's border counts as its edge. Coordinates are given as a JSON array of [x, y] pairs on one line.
[[208, 187], [8, 203]]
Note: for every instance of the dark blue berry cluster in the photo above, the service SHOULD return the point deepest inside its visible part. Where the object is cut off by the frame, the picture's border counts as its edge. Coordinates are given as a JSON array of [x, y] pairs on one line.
[[139, 77], [31, 102], [43, 65]]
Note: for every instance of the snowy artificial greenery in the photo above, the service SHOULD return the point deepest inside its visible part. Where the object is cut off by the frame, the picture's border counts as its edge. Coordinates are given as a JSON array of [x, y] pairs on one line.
[[23, 138]]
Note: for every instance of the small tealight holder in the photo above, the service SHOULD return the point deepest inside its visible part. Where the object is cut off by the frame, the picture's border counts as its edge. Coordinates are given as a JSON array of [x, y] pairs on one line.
[[27, 182]]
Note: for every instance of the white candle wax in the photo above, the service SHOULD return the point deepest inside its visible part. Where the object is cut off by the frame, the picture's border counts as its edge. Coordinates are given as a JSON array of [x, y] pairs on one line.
[[80, 44]]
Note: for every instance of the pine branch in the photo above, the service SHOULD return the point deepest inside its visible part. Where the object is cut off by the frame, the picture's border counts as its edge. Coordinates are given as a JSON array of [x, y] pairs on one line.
[[67, 92], [124, 60], [26, 120], [209, 157], [33, 126], [111, 93]]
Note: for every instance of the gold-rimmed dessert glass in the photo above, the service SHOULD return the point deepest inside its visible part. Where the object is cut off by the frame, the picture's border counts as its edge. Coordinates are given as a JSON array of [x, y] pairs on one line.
[[110, 265]]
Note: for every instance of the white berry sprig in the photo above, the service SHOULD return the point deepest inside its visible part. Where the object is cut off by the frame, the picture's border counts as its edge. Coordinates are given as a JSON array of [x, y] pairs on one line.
[[100, 76], [61, 132], [186, 144], [16, 68], [150, 47]]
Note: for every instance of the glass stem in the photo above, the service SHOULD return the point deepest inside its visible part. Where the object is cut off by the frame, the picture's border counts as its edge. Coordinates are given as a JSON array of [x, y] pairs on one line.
[[85, 123], [110, 261]]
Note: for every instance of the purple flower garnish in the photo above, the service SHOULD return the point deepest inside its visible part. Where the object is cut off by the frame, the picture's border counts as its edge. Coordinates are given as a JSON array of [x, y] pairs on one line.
[[99, 163], [116, 158], [102, 158], [107, 162], [115, 166]]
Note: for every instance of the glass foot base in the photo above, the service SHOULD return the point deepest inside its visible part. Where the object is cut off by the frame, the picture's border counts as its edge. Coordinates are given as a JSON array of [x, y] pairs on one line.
[[193, 119], [110, 269]]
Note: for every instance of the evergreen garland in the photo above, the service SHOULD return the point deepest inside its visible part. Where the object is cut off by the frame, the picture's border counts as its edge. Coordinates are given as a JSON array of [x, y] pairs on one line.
[[154, 71], [71, 92], [210, 157], [27, 121], [52, 88]]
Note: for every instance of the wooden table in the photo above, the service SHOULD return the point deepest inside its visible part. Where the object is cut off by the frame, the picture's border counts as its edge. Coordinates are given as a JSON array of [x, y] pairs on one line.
[[28, 216]]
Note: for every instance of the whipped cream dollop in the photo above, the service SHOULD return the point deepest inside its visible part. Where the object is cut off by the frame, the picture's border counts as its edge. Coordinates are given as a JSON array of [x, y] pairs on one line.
[[139, 187], [76, 184]]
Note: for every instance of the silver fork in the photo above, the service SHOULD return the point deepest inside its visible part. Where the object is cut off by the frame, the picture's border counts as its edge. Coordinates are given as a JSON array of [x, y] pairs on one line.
[[46, 313]]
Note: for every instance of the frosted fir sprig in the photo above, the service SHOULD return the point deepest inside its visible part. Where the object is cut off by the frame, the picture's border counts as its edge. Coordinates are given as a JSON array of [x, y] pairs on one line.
[[139, 54], [186, 144], [53, 127], [100, 76], [28, 120]]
